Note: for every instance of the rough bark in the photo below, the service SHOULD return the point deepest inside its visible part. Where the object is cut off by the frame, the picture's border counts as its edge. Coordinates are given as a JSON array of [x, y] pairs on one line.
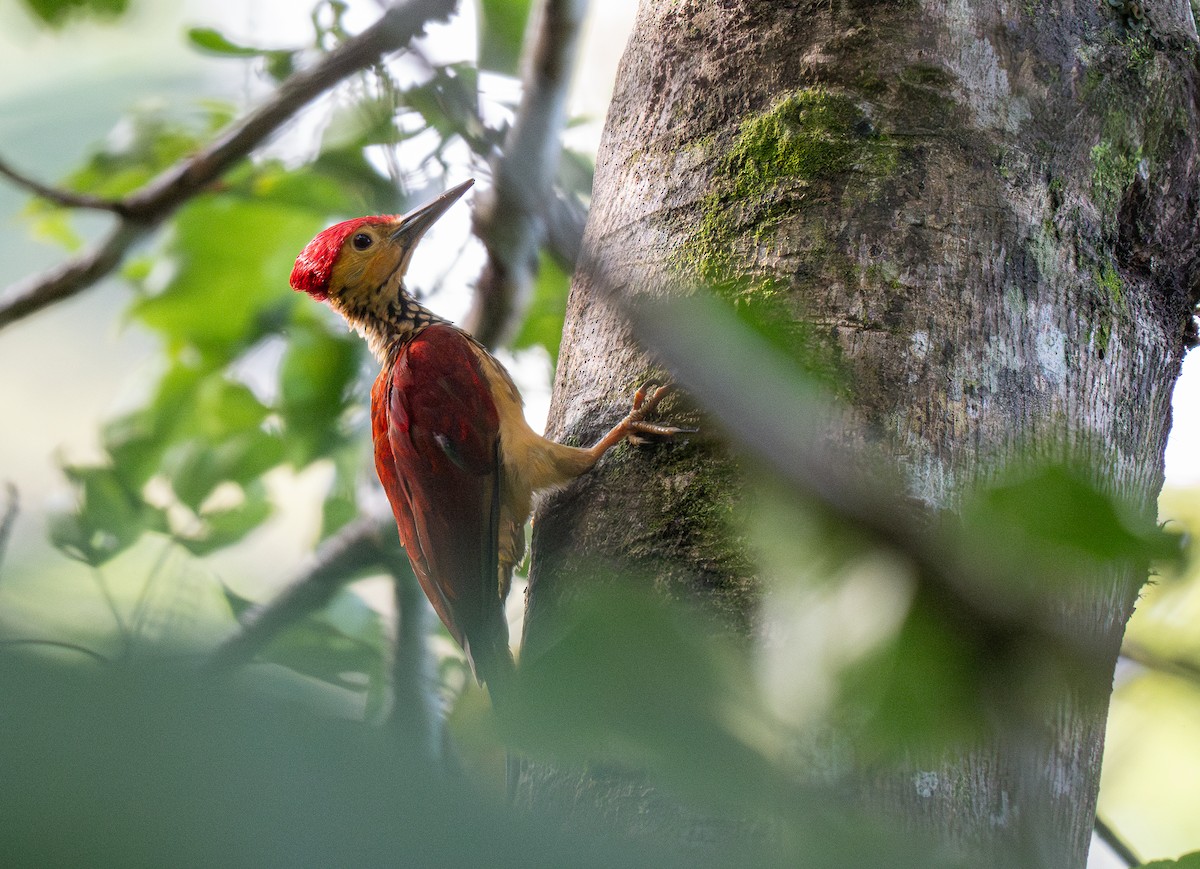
[[987, 211]]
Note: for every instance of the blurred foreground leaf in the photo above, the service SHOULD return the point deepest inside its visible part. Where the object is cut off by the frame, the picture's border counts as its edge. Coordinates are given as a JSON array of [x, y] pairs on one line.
[[501, 33], [543, 323], [114, 768], [1054, 519], [56, 13], [1187, 861], [343, 644]]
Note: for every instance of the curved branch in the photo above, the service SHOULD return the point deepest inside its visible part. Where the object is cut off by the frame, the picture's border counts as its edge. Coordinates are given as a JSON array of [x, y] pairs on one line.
[[413, 715], [66, 198], [510, 220], [356, 548], [144, 209], [1109, 837], [58, 644], [9, 518], [1178, 667], [72, 276]]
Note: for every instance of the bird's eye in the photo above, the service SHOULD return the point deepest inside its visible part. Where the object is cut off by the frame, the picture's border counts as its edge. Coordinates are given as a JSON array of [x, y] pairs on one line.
[[362, 241]]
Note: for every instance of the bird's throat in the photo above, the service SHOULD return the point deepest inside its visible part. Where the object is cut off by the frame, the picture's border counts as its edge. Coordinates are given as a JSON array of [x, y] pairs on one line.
[[384, 321]]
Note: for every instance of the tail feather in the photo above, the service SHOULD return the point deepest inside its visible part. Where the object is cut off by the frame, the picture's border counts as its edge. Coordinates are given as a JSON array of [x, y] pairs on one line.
[[497, 670]]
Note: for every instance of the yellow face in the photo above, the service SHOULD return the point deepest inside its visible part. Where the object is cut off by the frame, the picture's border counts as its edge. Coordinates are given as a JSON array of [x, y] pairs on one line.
[[369, 264]]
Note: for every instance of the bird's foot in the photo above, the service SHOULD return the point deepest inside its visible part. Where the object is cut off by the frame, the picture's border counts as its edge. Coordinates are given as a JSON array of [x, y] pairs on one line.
[[645, 400]]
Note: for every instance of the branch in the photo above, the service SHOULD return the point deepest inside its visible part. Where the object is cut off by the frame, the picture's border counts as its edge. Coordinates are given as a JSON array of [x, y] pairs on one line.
[[565, 216], [414, 716], [1110, 838], [511, 219], [356, 548], [9, 519], [66, 198], [144, 209], [1180, 668], [69, 278]]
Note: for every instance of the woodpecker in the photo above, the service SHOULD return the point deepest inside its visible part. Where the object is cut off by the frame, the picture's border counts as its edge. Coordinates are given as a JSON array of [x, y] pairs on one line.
[[453, 451]]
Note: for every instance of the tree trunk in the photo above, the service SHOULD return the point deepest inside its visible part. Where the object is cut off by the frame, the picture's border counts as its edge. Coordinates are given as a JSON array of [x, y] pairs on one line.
[[987, 211]]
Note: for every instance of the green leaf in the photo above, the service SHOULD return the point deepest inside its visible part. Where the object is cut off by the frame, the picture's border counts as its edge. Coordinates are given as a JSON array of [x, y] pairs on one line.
[[449, 104], [361, 123], [226, 407], [53, 224], [1187, 861], [280, 64], [108, 517], [197, 467], [346, 639], [214, 42], [57, 13], [232, 261], [136, 441], [238, 605], [501, 34], [543, 322], [315, 380], [360, 188], [919, 692], [221, 528], [1054, 519]]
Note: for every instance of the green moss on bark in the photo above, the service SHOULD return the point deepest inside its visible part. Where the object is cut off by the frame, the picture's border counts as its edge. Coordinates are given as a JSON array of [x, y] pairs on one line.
[[1113, 169], [808, 138]]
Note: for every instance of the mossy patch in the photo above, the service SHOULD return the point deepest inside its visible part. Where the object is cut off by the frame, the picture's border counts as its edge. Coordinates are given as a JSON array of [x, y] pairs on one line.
[[697, 504], [1113, 169], [807, 138], [1110, 305], [807, 134], [1109, 282]]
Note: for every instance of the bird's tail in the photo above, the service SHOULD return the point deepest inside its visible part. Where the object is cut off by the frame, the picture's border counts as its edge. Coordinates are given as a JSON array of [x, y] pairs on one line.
[[497, 671]]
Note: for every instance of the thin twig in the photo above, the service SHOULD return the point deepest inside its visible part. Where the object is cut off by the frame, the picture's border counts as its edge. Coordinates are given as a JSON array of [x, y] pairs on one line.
[[9, 519], [70, 277], [565, 216], [1110, 838], [147, 207], [1180, 668], [354, 549], [65, 198], [510, 220], [413, 714], [58, 644]]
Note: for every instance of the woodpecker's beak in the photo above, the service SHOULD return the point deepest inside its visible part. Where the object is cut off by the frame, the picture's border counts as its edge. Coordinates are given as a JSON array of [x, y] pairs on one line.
[[414, 224]]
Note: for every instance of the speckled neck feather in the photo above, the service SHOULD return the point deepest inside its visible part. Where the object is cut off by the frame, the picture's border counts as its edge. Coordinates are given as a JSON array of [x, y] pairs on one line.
[[384, 316]]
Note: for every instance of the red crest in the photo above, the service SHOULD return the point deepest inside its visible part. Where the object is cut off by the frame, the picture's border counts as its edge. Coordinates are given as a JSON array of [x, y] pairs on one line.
[[314, 266]]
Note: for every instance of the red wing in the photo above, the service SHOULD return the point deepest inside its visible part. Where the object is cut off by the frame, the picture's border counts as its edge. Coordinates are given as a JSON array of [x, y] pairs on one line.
[[436, 434]]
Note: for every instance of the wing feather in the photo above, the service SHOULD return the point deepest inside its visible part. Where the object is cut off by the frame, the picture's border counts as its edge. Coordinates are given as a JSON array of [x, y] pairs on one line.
[[437, 439]]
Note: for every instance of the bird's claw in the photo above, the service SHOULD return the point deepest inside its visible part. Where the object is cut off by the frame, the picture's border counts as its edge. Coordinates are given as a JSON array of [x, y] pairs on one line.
[[642, 406], [645, 400]]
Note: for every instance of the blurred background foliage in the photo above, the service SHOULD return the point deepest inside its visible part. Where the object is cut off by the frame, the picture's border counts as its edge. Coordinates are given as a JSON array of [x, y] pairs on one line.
[[185, 435]]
